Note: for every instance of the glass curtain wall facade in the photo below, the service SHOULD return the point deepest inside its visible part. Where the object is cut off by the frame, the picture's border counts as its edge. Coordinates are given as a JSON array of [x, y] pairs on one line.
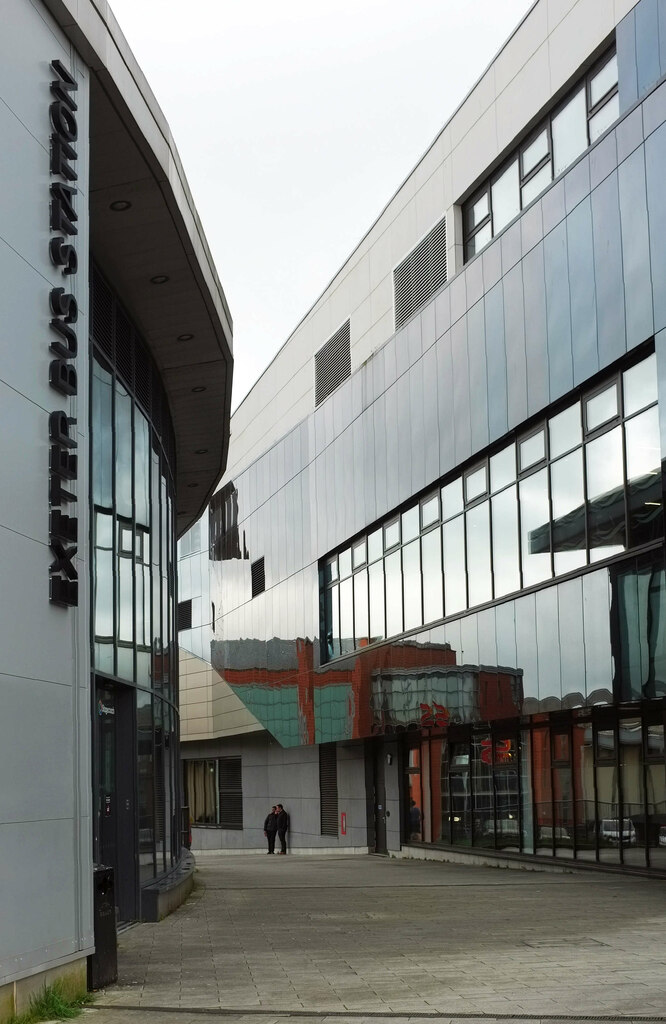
[[133, 543]]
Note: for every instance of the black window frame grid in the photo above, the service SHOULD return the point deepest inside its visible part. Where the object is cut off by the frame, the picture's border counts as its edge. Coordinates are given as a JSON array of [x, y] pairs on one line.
[[546, 464], [584, 81]]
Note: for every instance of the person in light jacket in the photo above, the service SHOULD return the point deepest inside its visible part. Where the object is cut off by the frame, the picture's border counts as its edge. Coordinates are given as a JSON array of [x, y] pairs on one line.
[[282, 827], [270, 828]]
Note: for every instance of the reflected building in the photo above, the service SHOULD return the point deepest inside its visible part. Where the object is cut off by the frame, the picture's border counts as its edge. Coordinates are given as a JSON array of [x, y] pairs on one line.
[[115, 395], [433, 599]]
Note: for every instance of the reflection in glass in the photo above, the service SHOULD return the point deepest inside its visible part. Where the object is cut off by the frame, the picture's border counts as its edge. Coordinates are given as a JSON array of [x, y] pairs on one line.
[[480, 209], [543, 794], [506, 561], [358, 553], [537, 184], [535, 152], [569, 130], [460, 795], [640, 385], [433, 598], [534, 528], [331, 569], [411, 574], [640, 598], [526, 792], [393, 594], [361, 608], [564, 431], [429, 511], [603, 81], [344, 563], [655, 784], [505, 197], [601, 408], [532, 450], [333, 621], [479, 579], [410, 524], [605, 495], [646, 521], [503, 468], [475, 484], [482, 788], [455, 578], [632, 832], [145, 788], [102, 436], [452, 499], [391, 534], [568, 525], [375, 548], [477, 241], [346, 617], [376, 583], [141, 468], [604, 118], [608, 806]]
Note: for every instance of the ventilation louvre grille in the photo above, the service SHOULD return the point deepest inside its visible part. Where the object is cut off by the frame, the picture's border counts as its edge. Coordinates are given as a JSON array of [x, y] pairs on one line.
[[328, 789], [332, 363], [231, 793], [184, 615], [420, 274], [258, 577]]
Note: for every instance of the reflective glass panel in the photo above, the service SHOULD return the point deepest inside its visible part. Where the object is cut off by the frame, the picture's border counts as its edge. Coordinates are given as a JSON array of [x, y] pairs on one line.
[[455, 577], [632, 838], [535, 528], [429, 511], [431, 555], [480, 209], [605, 495], [375, 545], [410, 524], [391, 534], [478, 554], [543, 793], [411, 576], [141, 468], [346, 617], [505, 197], [601, 408], [361, 608], [503, 468], [535, 152], [532, 450], [476, 484], [537, 184], [569, 129], [393, 594], [640, 385], [344, 563], [102, 436], [477, 242], [333, 621], [376, 583], [460, 790], [358, 553], [482, 788], [608, 805], [452, 499], [568, 526], [565, 431], [145, 793], [644, 477], [123, 434], [331, 570], [604, 118], [506, 558], [603, 81]]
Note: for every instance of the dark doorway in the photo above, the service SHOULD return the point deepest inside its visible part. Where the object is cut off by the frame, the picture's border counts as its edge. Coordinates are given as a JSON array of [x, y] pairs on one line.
[[380, 798], [114, 791]]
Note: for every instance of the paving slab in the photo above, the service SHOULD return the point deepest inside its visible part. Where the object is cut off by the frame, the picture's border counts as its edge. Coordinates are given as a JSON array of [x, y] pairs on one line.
[[379, 939]]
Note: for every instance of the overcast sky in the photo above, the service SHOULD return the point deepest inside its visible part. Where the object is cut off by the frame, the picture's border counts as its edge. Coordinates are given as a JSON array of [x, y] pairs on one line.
[[296, 122]]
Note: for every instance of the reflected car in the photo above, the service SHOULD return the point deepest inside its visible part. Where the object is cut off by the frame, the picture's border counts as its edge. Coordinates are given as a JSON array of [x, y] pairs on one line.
[[609, 831], [547, 832]]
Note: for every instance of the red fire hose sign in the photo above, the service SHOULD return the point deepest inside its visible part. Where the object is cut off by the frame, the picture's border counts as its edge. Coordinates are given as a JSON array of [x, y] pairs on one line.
[[343, 823]]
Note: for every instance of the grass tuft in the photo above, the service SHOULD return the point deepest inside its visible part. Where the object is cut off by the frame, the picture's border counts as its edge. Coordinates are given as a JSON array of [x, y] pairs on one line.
[[52, 1004]]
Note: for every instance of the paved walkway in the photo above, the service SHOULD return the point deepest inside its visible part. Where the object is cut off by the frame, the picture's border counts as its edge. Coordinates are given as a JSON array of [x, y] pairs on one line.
[[346, 937]]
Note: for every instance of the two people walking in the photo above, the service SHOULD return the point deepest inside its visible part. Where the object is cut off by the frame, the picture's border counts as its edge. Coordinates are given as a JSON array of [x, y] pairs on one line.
[[277, 823]]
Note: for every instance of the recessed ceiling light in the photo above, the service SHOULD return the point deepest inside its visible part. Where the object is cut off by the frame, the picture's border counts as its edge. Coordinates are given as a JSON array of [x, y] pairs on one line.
[[120, 205], [201, 451], [184, 337], [198, 389], [159, 279]]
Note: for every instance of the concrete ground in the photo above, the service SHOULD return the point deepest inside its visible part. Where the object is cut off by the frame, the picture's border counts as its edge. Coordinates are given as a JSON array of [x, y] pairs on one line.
[[351, 937]]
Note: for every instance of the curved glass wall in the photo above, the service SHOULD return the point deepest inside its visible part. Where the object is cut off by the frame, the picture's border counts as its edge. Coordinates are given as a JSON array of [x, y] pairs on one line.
[[133, 568]]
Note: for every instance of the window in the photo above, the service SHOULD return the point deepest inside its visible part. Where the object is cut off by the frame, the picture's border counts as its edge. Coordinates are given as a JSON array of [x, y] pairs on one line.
[[184, 615], [333, 363], [213, 791], [328, 789], [231, 793], [258, 577], [586, 113], [421, 274]]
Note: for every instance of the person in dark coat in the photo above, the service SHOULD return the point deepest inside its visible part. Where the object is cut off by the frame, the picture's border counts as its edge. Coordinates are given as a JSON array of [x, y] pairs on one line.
[[270, 828], [282, 827]]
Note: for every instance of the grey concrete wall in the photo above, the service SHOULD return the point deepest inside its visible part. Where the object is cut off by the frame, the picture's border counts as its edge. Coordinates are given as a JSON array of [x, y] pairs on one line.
[[290, 776]]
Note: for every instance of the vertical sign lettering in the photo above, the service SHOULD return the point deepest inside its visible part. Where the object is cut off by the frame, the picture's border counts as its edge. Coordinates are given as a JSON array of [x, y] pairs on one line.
[[63, 467]]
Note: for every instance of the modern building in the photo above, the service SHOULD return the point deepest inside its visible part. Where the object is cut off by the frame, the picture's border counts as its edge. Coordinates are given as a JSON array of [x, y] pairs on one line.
[[435, 567], [114, 399]]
